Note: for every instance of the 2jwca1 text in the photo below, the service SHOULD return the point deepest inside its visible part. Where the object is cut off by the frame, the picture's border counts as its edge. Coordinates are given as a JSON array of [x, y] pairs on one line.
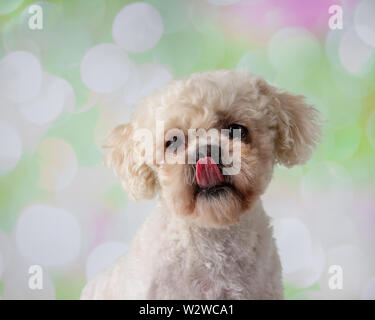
[[189, 309]]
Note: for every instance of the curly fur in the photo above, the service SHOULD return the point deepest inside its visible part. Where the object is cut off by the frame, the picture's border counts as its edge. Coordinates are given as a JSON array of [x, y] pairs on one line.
[[136, 176], [197, 247]]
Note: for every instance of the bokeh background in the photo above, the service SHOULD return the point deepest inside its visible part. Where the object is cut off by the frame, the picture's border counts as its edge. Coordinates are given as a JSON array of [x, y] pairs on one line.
[[64, 87]]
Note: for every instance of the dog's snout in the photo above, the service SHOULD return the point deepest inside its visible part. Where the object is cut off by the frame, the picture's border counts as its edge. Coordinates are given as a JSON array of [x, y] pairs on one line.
[[212, 151]]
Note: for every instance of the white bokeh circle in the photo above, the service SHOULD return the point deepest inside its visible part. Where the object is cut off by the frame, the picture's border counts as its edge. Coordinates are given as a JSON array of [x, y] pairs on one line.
[[47, 235], [129, 219], [355, 271], [5, 252], [5, 249], [294, 244], [355, 56], [84, 195], [48, 105], [58, 164], [105, 68], [155, 76], [255, 61], [10, 147], [103, 256], [137, 27], [144, 80], [16, 282], [29, 133], [20, 76], [311, 271], [69, 97], [133, 86], [294, 48], [331, 45], [364, 21], [14, 40], [2, 263], [149, 77], [368, 291]]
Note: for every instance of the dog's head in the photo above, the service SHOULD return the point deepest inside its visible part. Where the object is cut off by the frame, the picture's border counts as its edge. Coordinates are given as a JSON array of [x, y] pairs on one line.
[[208, 143]]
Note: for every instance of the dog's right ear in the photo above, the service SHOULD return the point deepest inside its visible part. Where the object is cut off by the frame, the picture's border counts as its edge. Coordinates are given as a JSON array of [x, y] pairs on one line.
[[124, 157], [297, 124], [298, 129]]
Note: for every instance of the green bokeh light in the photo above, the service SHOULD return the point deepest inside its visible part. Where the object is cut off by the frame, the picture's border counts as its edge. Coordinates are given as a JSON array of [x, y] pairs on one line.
[[194, 39]]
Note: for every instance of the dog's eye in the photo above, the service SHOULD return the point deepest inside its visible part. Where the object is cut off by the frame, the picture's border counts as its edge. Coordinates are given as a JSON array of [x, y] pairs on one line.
[[173, 143], [243, 133]]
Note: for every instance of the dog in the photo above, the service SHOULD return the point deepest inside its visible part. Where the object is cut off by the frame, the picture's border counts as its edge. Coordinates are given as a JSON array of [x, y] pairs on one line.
[[208, 237]]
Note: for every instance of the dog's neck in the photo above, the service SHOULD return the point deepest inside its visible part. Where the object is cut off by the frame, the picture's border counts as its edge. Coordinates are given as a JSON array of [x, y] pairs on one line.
[[217, 246], [251, 221]]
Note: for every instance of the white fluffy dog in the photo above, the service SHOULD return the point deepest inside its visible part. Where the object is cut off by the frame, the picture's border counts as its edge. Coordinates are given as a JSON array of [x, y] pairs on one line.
[[208, 237]]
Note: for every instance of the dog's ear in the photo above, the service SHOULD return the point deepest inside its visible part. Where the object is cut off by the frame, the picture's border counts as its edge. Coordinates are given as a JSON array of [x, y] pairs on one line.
[[125, 157], [298, 128]]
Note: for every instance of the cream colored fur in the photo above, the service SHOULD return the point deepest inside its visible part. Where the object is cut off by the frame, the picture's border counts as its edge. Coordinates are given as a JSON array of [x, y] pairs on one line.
[[171, 258], [192, 247]]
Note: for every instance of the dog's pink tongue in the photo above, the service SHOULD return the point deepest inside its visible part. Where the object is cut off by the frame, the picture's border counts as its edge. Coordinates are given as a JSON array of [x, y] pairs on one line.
[[208, 174]]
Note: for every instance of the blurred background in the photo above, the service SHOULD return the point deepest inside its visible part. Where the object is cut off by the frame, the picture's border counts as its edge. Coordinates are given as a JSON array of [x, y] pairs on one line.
[[62, 88]]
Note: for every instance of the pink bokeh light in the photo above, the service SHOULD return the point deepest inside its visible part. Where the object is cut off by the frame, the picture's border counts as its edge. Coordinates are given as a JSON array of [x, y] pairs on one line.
[[259, 19]]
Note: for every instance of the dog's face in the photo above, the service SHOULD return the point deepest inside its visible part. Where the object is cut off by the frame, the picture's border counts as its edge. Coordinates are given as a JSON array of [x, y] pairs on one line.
[[222, 133]]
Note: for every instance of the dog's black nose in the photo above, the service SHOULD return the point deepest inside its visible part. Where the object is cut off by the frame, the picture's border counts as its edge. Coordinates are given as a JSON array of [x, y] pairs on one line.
[[208, 150]]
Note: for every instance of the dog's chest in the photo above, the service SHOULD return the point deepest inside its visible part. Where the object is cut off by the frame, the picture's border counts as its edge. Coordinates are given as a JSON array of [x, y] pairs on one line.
[[222, 263], [207, 265]]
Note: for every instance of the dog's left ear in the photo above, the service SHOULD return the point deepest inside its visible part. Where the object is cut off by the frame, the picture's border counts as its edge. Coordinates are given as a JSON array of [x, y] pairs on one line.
[[125, 157], [298, 128]]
